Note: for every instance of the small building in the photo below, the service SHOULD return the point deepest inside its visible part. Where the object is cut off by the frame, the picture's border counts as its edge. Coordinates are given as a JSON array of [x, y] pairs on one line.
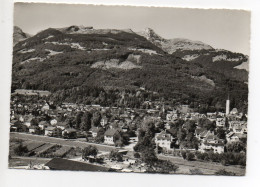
[[94, 131], [212, 143], [49, 131], [109, 136], [235, 137], [43, 125], [61, 125], [103, 121], [163, 140], [69, 133]]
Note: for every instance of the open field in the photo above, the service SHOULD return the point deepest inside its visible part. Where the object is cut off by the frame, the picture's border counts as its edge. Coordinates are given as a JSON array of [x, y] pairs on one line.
[[45, 143], [63, 142]]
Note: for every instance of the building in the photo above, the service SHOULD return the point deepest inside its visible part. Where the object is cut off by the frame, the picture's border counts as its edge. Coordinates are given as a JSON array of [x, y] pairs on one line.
[[103, 121], [163, 140], [235, 137], [49, 131], [94, 131], [43, 125], [109, 136], [212, 144]]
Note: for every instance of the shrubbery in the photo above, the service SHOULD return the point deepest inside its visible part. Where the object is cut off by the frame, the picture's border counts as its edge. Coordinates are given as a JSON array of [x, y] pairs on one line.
[[228, 158]]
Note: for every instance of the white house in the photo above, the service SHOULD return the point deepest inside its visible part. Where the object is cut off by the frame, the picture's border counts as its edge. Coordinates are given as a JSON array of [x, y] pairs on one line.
[[48, 131], [212, 143], [109, 136], [164, 140]]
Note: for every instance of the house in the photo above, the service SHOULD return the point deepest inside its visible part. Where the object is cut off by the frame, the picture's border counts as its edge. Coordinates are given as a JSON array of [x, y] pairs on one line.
[[27, 120], [94, 131], [69, 133], [220, 122], [171, 116], [204, 134], [49, 131], [212, 143], [234, 111], [61, 125], [109, 136], [235, 137], [103, 121], [43, 125], [163, 140], [53, 122], [46, 107], [32, 129], [238, 126]]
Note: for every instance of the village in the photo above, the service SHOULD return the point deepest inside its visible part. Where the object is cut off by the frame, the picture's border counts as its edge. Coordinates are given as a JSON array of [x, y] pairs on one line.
[[117, 134]]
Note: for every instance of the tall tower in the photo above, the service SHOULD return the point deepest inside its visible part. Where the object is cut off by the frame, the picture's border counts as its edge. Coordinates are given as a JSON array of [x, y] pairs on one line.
[[227, 106]]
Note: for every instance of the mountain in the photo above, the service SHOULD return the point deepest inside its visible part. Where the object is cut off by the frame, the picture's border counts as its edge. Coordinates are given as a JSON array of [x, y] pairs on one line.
[[74, 29], [172, 45], [19, 35], [109, 66]]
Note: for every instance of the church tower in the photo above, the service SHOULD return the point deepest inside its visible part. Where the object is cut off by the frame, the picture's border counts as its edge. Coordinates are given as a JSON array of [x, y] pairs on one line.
[[227, 106]]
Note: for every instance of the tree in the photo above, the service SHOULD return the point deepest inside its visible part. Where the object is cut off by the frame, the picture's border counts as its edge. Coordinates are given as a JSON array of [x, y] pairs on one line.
[[115, 155], [89, 151], [100, 135], [96, 119], [148, 155], [57, 133], [21, 150], [121, 139], [137, 155], [221, 133], [236, 147], [78, 119], [224, 172], [190, 156], [85, 124]]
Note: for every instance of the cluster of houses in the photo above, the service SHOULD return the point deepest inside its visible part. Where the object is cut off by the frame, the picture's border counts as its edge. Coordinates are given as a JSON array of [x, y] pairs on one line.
[[234, 124], [23, 115]]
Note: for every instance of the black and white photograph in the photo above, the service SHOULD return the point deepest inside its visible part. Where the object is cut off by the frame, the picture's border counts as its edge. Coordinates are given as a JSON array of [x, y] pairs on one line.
[[127, 89]]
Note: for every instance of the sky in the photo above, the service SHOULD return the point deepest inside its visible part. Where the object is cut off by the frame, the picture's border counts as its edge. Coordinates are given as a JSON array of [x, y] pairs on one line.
[[220, 28]]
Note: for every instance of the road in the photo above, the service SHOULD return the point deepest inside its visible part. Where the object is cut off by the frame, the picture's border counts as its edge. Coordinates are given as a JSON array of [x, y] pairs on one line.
[[64, 142]]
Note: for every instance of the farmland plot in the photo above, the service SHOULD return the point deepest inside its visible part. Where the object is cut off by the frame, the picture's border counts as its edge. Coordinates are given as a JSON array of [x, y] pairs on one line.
[[40, 150], [33, 145], [62, 151]]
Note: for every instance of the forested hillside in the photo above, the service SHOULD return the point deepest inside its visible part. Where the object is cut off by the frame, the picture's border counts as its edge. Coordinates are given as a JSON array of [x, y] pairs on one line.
[[109, 67]]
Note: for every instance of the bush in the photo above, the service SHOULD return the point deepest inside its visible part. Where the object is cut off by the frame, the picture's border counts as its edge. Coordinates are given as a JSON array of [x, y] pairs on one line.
[[116, 156], [190, 156], [21, 150], [224, 172], [137, 155], [184, 154]]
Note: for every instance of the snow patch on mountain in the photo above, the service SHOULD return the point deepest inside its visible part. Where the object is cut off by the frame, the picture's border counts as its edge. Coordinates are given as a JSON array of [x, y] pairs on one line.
[[204, 79], [26, 51], [147, 51], [244, 65], [114, 63], [33, 59], [224, 57], [52, 52], [190, 57], [72, 45]]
